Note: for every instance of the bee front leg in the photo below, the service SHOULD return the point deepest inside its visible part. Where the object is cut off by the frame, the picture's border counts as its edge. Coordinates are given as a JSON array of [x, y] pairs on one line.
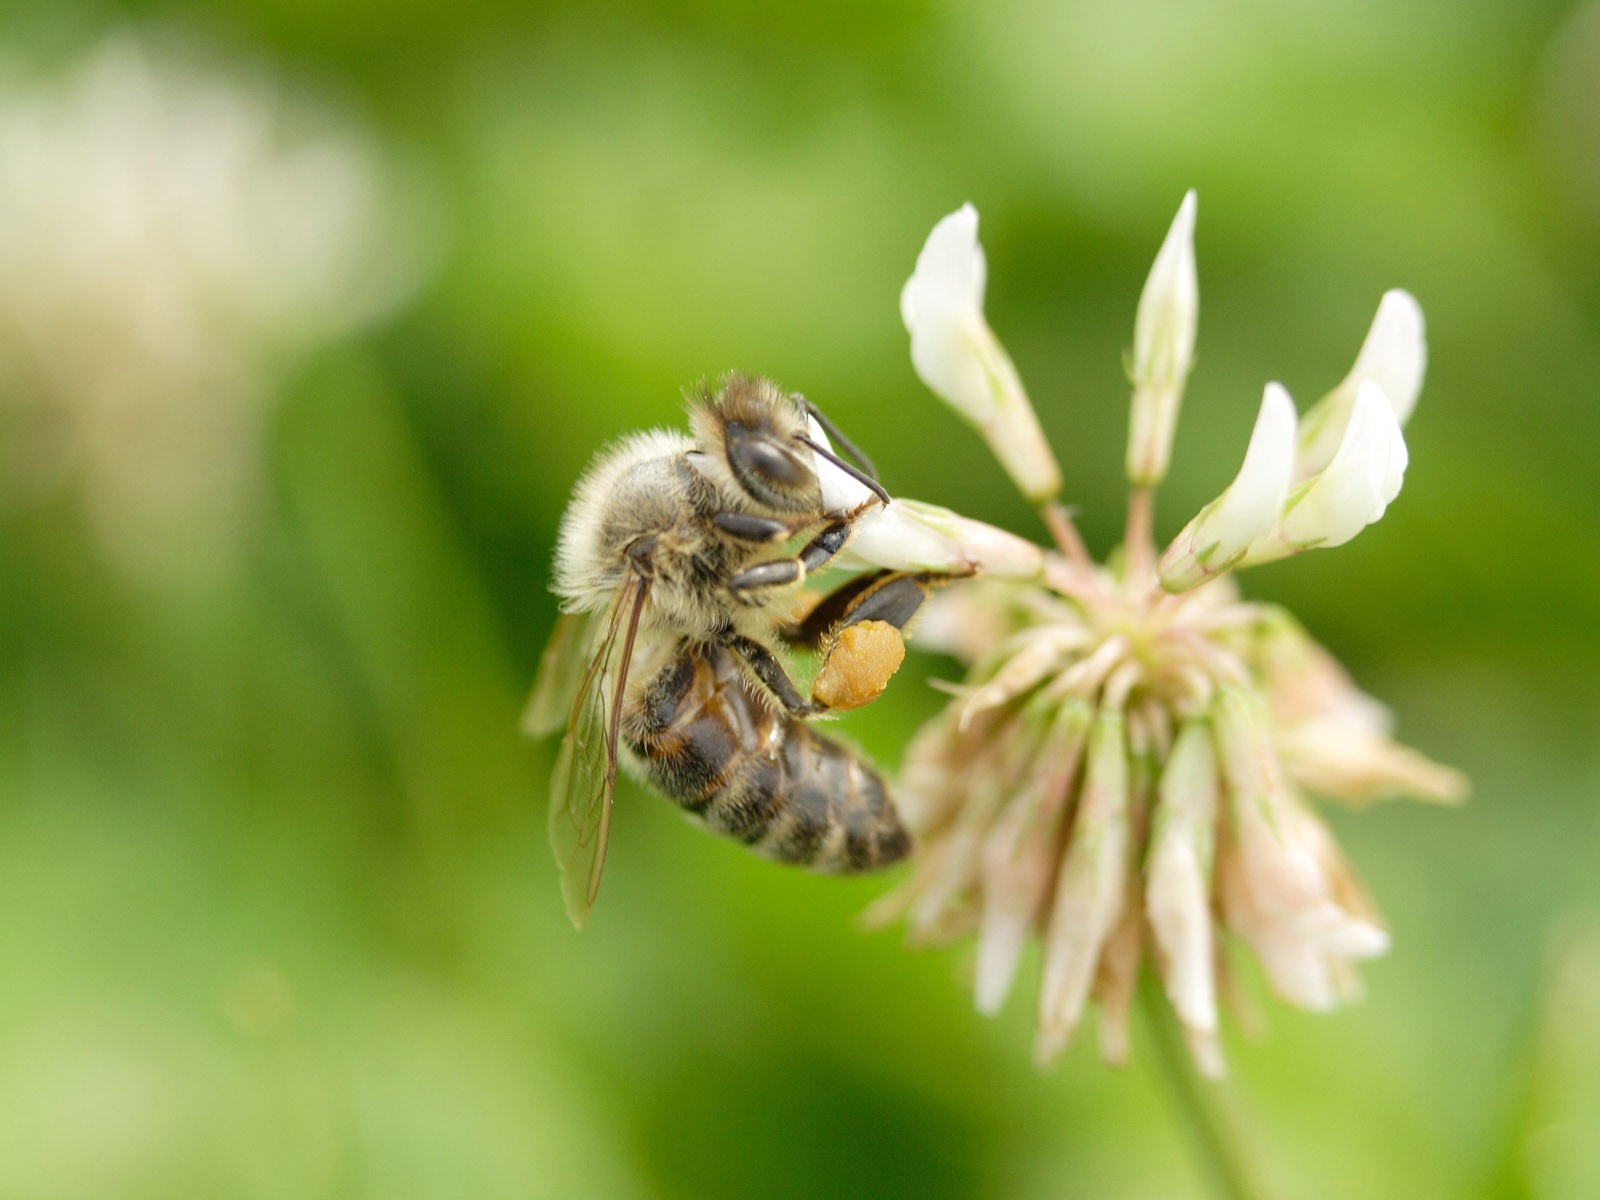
[[748, 527], [755, 584], [826, 544]]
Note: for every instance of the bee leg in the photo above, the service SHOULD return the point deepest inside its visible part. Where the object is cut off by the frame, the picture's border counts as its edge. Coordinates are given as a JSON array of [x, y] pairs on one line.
[[825, 545], [750, 528], [894, 597], [860, 629], [890, 596], [764, 663], [752, 585]]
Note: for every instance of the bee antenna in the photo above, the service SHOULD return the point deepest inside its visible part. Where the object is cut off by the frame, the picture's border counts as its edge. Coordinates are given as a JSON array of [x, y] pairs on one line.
[[837, 434], [855, 473]]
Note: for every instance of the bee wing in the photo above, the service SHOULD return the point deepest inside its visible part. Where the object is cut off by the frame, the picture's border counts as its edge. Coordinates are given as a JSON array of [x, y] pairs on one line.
[[560, 672], [585, 778]]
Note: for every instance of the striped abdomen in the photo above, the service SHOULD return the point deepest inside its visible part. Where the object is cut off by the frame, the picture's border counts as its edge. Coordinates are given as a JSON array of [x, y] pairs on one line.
[[757, 775]]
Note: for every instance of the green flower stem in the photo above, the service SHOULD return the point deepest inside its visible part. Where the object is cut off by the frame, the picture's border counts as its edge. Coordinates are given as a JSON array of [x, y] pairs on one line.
[[1138, 544], [1216, 1141], [1064, 531]]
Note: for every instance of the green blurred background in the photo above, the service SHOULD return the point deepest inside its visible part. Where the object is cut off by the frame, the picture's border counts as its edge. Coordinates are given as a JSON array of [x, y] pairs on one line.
[[277, 918]]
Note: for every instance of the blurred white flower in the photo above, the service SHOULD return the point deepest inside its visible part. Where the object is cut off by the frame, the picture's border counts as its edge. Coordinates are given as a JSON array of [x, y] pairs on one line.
[[169, 235], [958, 357], [1164, 331]]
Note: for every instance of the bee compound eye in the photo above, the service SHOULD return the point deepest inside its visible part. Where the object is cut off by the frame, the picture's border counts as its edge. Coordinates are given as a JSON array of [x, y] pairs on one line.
[[764, 466]]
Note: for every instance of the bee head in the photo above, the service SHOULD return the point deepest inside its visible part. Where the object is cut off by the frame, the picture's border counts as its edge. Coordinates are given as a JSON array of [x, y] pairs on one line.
[[751, 429]]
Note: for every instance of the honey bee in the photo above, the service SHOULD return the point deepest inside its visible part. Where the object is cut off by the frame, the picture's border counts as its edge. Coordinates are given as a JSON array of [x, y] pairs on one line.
[[666, 658]]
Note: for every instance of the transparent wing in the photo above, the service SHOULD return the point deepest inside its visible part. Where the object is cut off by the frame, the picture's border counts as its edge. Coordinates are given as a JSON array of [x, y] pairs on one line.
[[560, 672], [585, 778]]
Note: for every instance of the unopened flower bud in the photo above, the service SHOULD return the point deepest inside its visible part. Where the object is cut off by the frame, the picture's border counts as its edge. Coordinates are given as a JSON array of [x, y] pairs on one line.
[[1394, 356], [1163, 349], [958, 357]]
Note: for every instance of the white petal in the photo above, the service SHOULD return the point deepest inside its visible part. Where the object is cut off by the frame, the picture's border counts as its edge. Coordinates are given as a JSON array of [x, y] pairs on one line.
[[1020, 857], [1336, 759], [1394, 356], [1343, 936], [1115, 983], [1254, 500], [1090, 892], [841, 491], [892, 537], [909, 535], [958, 357], [942, 306], [1178, 887], [1356, 487], [950, 271], [948, 348], [1248, 510]]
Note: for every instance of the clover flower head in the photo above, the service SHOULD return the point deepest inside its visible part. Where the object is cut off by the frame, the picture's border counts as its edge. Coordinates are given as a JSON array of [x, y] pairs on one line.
[[1125, 773]]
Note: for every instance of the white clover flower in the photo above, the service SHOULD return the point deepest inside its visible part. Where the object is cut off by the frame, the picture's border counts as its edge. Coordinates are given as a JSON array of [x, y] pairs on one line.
[[168, 235], [1124, 774], [1164, 332], [958, 357]]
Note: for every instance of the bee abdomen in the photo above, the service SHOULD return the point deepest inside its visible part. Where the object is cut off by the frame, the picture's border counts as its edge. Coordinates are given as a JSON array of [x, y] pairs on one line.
[[831, 810], [810, 801], [761, 777]]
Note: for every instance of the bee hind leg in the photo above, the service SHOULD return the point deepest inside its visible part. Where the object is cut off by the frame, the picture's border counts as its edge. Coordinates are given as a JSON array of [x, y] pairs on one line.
[[860, 630]]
